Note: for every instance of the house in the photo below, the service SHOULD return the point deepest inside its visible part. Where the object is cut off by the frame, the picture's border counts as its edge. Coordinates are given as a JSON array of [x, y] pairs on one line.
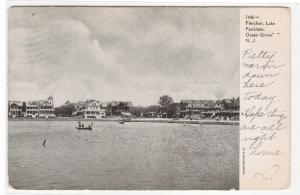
[[230, 109], [197, 108], [105, 106], [15, 108], [46, 108], [231, 104], [117, 107], [32, 109], [90, 109], [40, 108], [221, 109]]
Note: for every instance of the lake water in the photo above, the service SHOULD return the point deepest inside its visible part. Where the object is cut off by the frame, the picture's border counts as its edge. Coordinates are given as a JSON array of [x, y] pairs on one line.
[[134, 155]]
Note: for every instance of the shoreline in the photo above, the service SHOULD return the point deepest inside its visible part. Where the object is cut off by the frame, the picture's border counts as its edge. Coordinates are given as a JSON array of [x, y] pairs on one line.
[[116, 119]]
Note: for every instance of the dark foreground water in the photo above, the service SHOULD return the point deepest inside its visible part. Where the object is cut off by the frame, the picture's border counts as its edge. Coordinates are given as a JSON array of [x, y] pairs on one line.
[[130, 156]]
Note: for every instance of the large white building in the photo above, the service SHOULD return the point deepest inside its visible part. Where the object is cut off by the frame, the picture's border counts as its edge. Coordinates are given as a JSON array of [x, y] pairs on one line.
[[40, 108], [90, 109]]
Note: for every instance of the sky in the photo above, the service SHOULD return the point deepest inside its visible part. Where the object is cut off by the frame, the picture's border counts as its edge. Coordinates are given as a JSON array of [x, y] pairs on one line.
[[123, 53]]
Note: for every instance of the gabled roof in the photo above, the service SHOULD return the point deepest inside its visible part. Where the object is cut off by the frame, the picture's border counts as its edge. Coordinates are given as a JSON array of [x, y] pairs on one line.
[[83, 104], [200, 103], [228, 101], [232, 101], [91, 101], [18, 103]]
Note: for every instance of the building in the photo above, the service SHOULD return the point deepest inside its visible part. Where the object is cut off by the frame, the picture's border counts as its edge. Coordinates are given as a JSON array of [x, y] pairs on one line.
[[198, 108], [117, 107], [97, 109], [40, 108], [230, 109], [105, 106], [226, 109], [32, 109], [15, 108], [231, 104], [90, 109]]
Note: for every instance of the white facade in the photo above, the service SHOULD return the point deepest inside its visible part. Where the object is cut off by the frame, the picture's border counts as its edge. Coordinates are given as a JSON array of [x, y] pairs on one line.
[[46, 108], [91, 109], [15, 108], [41, 108], [32, 110]]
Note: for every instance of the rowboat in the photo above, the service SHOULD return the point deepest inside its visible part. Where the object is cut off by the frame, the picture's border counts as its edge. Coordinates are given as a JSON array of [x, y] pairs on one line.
[[82, 127]]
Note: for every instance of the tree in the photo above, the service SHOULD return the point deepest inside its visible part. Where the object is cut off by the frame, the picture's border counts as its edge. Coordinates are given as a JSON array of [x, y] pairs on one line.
[[65, 110], [173, 110], [165, 102], [137, 110]]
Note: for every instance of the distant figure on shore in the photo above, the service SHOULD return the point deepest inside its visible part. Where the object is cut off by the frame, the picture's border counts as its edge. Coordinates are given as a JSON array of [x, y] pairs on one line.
[[44, 143]]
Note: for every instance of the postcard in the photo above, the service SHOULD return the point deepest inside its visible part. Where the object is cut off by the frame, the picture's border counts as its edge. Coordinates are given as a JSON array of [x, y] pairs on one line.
[[148, 98]]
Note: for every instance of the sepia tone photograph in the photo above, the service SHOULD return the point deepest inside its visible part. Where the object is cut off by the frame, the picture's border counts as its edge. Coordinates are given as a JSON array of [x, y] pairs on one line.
[[123, 98]]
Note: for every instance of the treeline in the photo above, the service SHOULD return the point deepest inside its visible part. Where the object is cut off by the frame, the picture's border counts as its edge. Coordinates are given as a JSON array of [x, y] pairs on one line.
[[65, 110], [166, 108]]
